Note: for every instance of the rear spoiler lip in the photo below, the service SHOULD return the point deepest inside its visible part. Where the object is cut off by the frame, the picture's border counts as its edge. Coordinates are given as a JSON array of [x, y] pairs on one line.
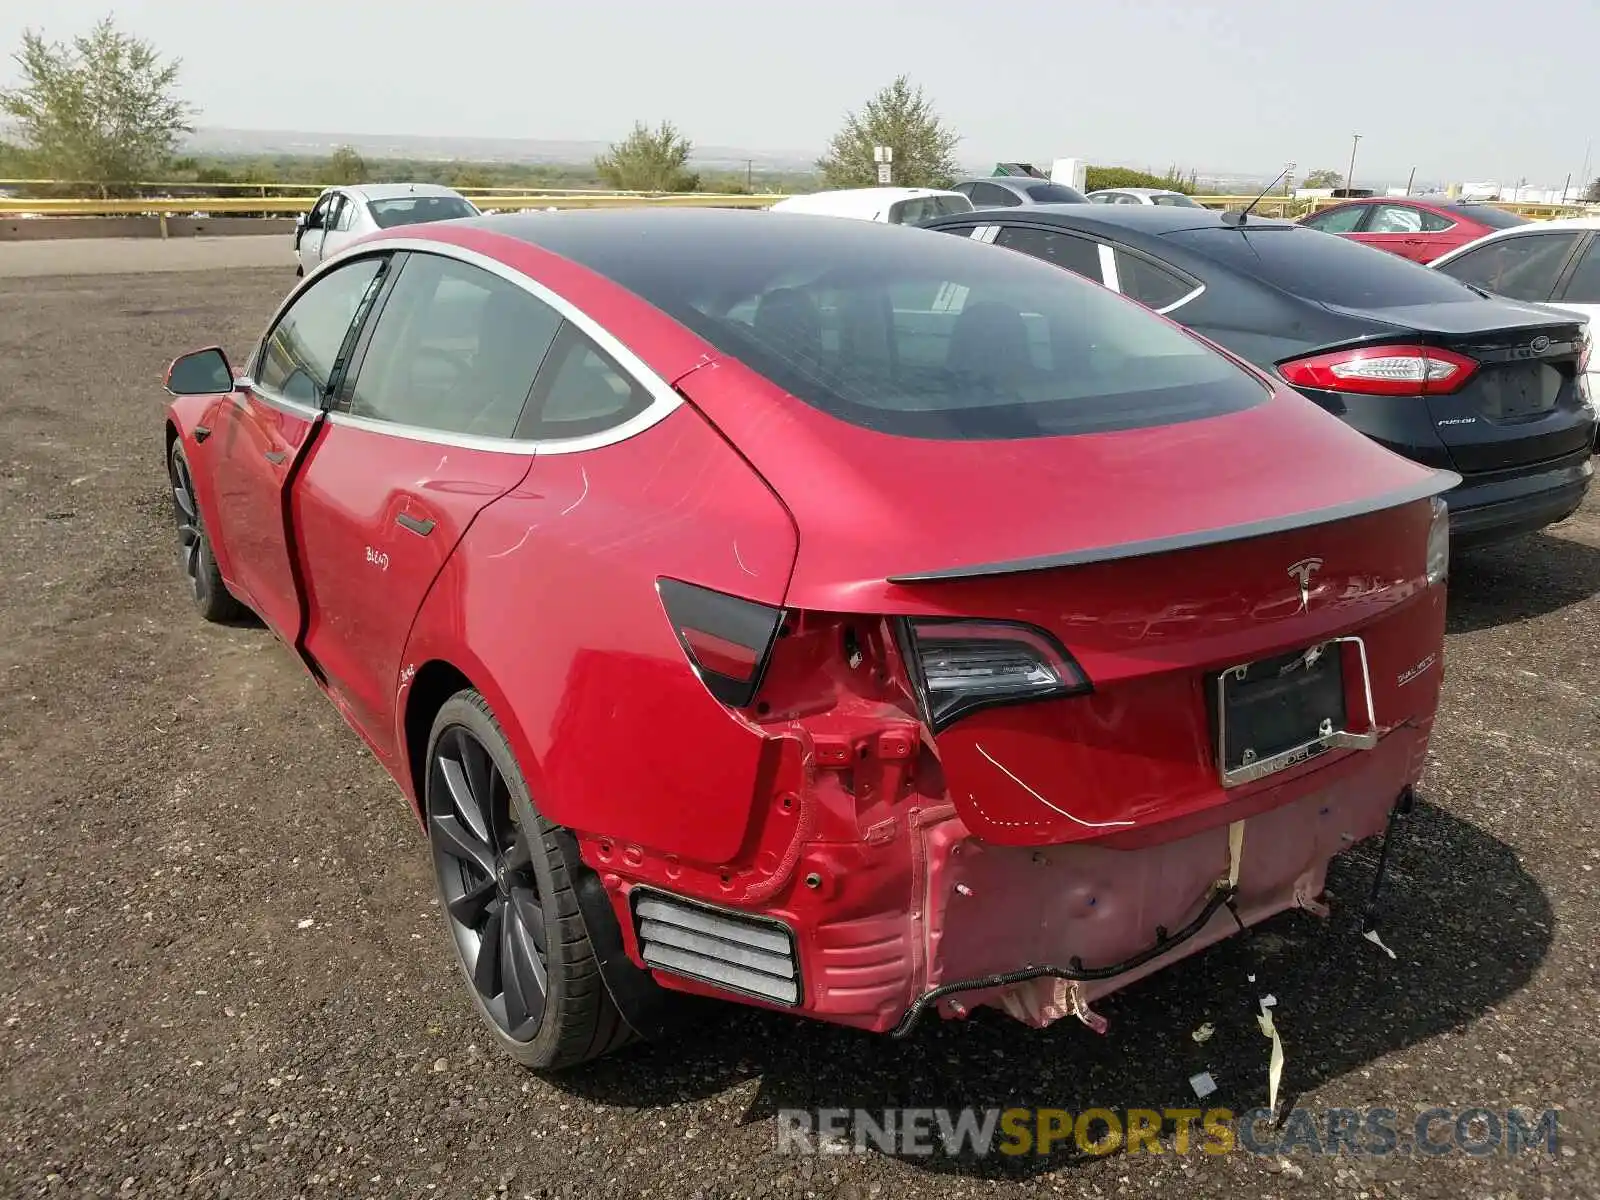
[[1434, 483]]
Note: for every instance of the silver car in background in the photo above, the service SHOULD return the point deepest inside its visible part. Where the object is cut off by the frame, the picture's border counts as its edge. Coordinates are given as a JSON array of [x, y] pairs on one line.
[[343, 214]]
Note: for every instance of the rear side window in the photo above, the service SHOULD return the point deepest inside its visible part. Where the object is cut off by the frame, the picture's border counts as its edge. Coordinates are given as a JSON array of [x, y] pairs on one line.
[[992, 195], [1059, 249], [934, 337], [1488, 214], [1525, 267], [1153, 286], [1176, 200], [582, 390], [1053, 193], [1327, 270], [1584, 286], [455, 350], [1337, 220]]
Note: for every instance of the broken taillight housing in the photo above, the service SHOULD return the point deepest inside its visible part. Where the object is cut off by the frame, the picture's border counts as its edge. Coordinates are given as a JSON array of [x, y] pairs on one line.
[[1382, 371], [728, 639], [961, 665]]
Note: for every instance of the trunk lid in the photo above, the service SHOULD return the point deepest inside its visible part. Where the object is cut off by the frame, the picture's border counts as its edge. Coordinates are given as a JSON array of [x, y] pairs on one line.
[[1524, 404], [1155, 557]]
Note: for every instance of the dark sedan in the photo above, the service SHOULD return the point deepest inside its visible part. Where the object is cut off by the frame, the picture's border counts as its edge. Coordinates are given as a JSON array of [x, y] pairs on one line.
[[1431, 368]]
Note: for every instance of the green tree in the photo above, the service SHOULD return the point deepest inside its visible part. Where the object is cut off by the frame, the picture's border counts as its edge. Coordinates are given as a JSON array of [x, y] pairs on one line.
[[649, 161], [100, 109], [1593, 194], [903, 119], [1097, 178], [1324, 179], [346, 166]]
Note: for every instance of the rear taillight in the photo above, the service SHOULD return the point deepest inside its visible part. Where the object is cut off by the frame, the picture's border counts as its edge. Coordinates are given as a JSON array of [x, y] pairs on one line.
[[1382, 371], [963, 665], [727, 639]]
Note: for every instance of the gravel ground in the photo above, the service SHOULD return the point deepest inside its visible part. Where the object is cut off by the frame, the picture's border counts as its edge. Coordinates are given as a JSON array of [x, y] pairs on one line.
[[222, 974]]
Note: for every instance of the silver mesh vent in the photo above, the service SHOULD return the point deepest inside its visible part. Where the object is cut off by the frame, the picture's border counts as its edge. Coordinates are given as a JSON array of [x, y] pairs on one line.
[[750, 955]]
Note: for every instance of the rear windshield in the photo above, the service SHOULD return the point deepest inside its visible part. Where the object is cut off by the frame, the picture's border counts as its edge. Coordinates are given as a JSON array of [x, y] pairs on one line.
[[925, 208], [1488, 214], [918, 334], [415, 210], [1054, 193], [1324, 267], [1178, 199]]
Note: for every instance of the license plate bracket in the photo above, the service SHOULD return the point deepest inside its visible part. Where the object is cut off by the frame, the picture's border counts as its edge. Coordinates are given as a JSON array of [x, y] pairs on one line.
[[1279, 712]]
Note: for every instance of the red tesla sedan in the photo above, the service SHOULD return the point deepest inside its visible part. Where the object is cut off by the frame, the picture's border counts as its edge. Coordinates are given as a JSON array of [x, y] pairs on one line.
[[1420, 230], [840, 618]]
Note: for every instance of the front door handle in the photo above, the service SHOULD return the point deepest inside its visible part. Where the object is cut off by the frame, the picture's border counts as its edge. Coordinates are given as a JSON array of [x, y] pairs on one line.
[[276, 456], [422, 528]]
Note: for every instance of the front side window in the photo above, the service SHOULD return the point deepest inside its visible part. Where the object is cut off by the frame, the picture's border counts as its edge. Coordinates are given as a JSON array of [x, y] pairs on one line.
[[318, 215], [1524, 267], [418, 210], [1343, 219], [300, 355], [927, 337], [455, 350], [1059, 249]]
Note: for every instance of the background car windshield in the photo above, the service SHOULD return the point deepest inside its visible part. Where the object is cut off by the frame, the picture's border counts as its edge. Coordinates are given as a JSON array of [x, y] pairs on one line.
[[1324, 268], [925, 208], [416, 210], [1488, 214], [912, 333]]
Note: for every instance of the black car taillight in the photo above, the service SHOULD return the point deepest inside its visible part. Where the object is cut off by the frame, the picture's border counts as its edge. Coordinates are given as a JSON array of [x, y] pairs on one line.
[[727, 639], [961, 665], [1382, 371]]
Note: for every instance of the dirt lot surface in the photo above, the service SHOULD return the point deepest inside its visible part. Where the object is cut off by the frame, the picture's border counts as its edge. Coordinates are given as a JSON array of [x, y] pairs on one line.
[[222, 973]]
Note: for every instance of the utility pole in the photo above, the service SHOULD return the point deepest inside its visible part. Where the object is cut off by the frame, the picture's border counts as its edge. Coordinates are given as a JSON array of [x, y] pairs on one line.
[[749, 174], [1411, 180], [1350, 175]]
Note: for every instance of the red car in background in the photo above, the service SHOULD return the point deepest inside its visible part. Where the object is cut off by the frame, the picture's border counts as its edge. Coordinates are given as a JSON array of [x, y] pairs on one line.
[[835, 617], [1420, 230]]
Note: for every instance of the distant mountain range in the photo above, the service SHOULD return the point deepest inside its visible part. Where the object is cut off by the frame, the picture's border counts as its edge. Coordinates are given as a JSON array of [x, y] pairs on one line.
[[467, 149]]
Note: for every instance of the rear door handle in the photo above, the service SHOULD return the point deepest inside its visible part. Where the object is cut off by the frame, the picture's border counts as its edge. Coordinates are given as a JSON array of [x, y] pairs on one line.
[[422, 528], [276, 456]]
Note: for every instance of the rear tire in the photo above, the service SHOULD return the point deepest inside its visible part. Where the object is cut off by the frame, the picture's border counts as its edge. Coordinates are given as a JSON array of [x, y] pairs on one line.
[[198, 562], [506, 890]]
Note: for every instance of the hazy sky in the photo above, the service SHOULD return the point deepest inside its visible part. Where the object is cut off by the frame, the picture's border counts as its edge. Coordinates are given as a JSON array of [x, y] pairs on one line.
[[1461, 89]]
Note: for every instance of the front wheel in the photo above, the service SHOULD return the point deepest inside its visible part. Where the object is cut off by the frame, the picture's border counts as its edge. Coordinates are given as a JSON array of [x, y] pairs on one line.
[[210, 595], [506, 888]]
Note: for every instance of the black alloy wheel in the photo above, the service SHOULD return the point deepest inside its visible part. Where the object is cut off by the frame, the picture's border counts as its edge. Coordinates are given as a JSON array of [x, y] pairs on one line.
[[195, 558], [486, 881], [506, 884]]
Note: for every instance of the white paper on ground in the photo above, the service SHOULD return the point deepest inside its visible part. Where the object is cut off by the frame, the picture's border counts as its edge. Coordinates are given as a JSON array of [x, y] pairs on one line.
[[1372, 936]]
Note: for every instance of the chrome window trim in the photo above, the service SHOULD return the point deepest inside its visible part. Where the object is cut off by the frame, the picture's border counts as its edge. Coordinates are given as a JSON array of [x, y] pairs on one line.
[[664, 401], [1181, 301]]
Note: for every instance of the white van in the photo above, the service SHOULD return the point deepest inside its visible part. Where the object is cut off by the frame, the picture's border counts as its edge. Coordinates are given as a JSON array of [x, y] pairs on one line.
[[894, 205]]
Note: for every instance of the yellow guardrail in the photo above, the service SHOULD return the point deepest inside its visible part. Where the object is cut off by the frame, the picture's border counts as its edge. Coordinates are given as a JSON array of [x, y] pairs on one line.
[[214, 206], [539, 198]]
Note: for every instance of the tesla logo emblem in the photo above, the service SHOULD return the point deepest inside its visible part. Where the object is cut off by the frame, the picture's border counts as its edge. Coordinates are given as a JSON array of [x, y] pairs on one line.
[[1539, 344], [1301, 573]]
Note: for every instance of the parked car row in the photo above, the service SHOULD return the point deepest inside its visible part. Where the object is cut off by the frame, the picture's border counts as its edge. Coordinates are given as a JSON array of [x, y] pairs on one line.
[[868, 622]]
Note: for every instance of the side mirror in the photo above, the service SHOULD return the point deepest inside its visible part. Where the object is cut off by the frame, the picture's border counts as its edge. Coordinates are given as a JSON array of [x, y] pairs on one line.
[[201, 373]]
